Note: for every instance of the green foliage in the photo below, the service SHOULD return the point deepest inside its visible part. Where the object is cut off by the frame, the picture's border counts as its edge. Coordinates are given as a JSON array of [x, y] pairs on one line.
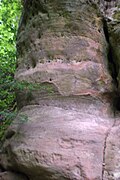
[[10, 11], [8, 116]]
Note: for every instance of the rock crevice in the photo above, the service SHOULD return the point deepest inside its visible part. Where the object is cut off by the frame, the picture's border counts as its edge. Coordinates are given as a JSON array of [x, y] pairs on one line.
[[105, 148]]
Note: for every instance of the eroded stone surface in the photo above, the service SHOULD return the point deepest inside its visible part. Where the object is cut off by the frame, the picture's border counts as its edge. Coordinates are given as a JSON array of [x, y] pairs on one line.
[[64, 130], [64, 143], [112, 157], [64, 45]]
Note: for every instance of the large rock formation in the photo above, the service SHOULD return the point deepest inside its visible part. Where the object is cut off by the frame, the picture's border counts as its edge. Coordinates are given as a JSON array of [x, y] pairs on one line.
[[65, 128]]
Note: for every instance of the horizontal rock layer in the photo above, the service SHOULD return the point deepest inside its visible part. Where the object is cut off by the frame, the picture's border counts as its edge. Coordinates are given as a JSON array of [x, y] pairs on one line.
[[64, 129]]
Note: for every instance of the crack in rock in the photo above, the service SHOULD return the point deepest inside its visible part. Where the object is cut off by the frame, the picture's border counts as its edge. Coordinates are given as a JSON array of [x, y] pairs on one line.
[[105, 146]]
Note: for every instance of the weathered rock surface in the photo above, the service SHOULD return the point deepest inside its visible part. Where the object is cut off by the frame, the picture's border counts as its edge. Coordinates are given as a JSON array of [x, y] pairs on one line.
[[65, 129], [62, 43], [59, 142], [112, 156]]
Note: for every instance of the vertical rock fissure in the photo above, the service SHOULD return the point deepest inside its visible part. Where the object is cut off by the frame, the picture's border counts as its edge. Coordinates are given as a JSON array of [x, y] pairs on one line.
[[104, 151], [113, 71], [114, 74], [104, 148], [111, 63]]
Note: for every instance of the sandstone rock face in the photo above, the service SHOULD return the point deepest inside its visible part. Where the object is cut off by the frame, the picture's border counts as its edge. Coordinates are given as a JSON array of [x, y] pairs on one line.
[[62, 43], [112, 156], [58, 143], [65, 129]]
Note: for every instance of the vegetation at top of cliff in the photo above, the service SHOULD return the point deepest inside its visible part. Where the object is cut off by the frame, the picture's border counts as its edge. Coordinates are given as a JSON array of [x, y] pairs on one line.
[[10, 11]]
